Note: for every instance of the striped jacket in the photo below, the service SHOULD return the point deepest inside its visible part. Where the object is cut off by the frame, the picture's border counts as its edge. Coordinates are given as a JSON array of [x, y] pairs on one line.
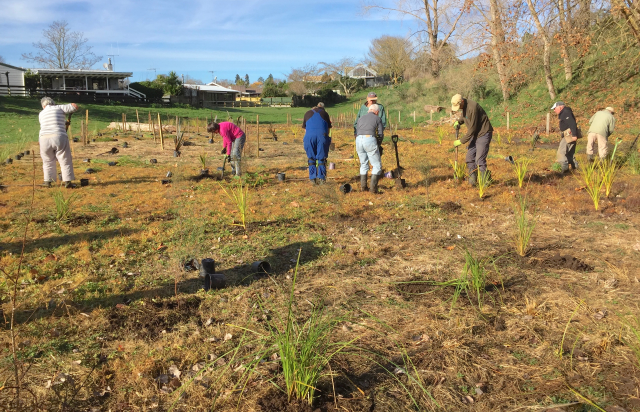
[[52, 119]]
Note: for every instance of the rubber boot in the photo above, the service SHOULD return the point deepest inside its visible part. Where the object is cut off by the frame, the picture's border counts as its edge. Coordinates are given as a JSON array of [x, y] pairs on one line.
[[313, 182], [373, 188], [363, 183], [590, 158], [237, 166], [565, 167], [69, 185], [473, 178], [47, 184]]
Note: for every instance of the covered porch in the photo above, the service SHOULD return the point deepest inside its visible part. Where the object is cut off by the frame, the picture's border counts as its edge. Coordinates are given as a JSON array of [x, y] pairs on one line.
[[86, 82]]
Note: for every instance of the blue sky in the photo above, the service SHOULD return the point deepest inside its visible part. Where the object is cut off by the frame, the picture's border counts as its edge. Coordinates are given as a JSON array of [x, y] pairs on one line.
[[193, 37]]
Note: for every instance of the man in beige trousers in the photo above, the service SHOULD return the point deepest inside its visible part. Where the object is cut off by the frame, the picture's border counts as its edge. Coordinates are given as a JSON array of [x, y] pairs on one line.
[[601, 127]]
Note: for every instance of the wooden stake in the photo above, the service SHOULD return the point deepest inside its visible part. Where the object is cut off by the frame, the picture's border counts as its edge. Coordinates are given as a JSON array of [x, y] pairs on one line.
[[197, 125], [258, 132], [161, 135], [87, 118], [138, 119], [507, 120], [70, 137], [548, 122], [123, 123], [414, 116]]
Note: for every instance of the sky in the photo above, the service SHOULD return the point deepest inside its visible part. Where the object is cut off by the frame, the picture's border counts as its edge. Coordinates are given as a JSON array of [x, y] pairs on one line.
[[196, 37]]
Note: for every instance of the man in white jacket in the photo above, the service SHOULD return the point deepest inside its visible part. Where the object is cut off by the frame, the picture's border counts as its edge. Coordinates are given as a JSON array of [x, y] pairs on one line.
[[54, 142]]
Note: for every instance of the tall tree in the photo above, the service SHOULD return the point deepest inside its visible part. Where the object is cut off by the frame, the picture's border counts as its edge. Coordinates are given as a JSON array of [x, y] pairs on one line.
[[565, 32], [246, 80], [238, 80], [338, 71], [172, 85], [62, 49], [269, 79], [630, 10], [390, 55], [545, 34], [436, 16]]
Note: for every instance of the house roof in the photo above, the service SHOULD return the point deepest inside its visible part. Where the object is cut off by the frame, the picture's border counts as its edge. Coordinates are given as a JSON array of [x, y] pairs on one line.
[[81, 73], [13, 67], [361, 71], [210, 87], [247, 90]]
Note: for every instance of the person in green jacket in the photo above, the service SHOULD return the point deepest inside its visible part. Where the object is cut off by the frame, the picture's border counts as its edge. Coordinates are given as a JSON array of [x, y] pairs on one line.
[[372, 98], [479, 133], [602, 125]]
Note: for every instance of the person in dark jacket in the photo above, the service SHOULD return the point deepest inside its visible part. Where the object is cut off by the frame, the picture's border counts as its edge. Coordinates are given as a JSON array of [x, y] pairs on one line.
[[569, 134], [316, 142], [370, 132], [479, 133]]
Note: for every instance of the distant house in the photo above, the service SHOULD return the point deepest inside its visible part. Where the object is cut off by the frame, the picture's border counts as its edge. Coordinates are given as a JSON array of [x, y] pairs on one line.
[[369, 75], [12, 80], [247, 94], [94, 84], [208, 95]]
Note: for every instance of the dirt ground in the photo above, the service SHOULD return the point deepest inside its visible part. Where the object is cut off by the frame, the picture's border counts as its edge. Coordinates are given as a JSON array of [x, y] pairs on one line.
[[110, 318]]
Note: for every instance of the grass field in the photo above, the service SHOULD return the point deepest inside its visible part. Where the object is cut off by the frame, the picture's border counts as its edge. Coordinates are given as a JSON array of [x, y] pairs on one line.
[[419, 297]]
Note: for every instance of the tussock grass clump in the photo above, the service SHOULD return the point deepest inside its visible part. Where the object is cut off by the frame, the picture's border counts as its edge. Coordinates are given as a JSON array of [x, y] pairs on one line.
[[63, 205], [484, 181], [459, 170], [295, 129], [524, 227], [593, 180], [609, 170], [203, 160], [240, 197], [441, 132], [520, 167]]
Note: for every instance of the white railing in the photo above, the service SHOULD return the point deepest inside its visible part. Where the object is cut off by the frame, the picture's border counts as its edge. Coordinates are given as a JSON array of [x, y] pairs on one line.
[[135, 93]]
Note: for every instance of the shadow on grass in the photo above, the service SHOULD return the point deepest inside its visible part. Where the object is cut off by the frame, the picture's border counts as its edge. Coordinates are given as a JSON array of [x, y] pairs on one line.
[[55, 241], [281, 259]]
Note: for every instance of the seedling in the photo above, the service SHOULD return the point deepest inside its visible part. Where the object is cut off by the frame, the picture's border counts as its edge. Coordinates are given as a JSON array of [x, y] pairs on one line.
[[441, 134], [203, 160], [593, 180], [524, 227], [520, 167], [459, 170], [484, 181], [609, 169], [295, 129], [179, 139], [509, 136], [498, 138], [240, 197], [63, 205]]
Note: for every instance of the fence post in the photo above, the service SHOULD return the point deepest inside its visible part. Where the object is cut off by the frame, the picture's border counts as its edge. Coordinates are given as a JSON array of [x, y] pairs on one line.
[[161, 135], [548, 122], [507, 120], [258, 132]]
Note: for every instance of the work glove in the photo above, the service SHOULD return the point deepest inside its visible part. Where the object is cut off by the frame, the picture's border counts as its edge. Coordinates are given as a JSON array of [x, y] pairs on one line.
[[456, 125], [380, 150], [224, 150], [457, 143], [228, 159]]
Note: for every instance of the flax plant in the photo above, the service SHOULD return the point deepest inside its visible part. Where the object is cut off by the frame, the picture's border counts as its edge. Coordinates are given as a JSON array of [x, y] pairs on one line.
[[520, 167], [63, 205], [441, 131], [240, 197], [459, 170], [484, 181], [524, 227], [498, 138], [203, 160], [593, 180], [609, 169]]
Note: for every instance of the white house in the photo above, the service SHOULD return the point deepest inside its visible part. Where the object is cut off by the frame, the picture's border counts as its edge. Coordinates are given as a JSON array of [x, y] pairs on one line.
[[12, 80], [369, 75], [208, 95]]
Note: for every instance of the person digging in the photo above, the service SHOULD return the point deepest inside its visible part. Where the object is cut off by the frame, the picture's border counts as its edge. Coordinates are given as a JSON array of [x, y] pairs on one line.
[[479, 134], [369, 135], [601, 127], [316, 142], [569, 134], [54, 142], [233, 139]]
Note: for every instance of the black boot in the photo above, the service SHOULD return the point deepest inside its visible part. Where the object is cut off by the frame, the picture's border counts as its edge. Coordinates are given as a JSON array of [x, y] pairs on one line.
[[473, 178], [363, 182], [47, 183], [69, 185], [373, 188]]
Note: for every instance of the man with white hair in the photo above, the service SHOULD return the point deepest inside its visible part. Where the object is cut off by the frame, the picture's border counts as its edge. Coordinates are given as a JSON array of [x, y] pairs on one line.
[[369, 135], [54, 142], [602, 125]]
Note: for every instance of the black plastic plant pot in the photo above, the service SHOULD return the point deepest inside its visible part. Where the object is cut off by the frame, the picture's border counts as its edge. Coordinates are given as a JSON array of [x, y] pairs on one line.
[[332, 146], [214, 281], [84, 182], [169, 174], [8, 161], [509, 159], [90, 171], [114, 150], [87, 160], [400, 183], [345, 188], [21, 154], [93, 140], [207, 265], [27, 152], [112, 163], [166, 181], [280, 176], [260, 268], [153, 160], [76, 140], [210, 141], [176, 153], [125, 145], [18, 157], [204, 172]]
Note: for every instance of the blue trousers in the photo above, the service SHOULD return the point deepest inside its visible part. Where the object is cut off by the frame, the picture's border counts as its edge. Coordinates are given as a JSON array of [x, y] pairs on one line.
[[367, 148], [316, 144]]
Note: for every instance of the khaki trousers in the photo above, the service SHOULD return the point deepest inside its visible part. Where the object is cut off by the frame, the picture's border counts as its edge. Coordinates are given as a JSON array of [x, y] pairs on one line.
[[592, 138]]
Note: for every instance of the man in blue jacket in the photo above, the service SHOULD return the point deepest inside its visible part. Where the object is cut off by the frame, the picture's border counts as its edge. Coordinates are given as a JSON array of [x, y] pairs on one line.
[[316, 142]]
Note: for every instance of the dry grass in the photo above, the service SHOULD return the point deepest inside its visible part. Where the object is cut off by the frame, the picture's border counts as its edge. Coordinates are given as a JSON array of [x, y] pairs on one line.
[[130, 235]]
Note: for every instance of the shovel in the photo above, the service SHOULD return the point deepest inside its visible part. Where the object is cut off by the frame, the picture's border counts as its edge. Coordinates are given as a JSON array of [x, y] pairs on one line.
[[400, 183], [224, 163]]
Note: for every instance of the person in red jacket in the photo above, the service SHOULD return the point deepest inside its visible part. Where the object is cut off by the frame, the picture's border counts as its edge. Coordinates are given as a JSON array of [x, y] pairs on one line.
[[233, 139]]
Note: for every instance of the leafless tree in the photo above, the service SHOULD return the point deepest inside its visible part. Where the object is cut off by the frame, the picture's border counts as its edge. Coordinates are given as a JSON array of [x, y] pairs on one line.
[[302, 80], [390, 55], [190, 80], [630, 11], [439, 18], [542, 8], [62, 49], [338, 71]]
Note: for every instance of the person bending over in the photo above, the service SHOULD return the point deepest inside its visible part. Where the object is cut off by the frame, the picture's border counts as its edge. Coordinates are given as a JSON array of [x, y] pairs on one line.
[[233, 139], [54, 142]]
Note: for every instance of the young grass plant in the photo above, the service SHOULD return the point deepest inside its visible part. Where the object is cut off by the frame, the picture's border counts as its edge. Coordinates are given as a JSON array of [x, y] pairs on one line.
[[203, 160], [609, 169], [459, 170], [520, 167], [240, 197], [498, 138], [593, 180], [295, 129], [63, 205], [441, 131], [484, 181], [524, 227]]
